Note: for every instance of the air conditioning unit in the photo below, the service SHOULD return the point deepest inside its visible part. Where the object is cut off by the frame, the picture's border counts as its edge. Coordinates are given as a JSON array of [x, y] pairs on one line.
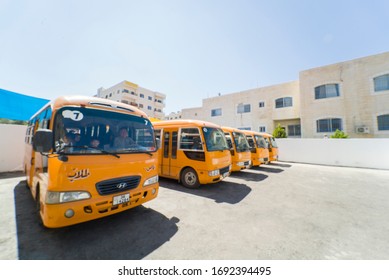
[[362, 129]]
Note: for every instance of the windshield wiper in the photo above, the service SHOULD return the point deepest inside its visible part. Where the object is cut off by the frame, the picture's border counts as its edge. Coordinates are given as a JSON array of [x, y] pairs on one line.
[[137, 151], [88, 147], [103, 151]]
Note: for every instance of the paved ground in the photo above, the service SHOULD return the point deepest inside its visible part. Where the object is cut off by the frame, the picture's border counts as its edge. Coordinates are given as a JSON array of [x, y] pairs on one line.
[[280, 211]]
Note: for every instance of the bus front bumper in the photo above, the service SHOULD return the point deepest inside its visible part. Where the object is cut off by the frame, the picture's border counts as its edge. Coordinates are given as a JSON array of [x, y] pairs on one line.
[[66, 214]]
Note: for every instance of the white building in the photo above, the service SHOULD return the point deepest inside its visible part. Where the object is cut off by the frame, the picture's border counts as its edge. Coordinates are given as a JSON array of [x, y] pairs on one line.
[[151, 102], [351, 96], [173, 116]]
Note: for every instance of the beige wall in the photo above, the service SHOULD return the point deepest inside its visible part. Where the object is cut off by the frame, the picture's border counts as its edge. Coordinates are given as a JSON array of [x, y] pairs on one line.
[[266, 116], [357, 105], [196, 113]]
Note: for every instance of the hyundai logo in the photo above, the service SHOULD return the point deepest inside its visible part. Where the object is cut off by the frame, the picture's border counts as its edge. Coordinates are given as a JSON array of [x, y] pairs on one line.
[[121, 185]]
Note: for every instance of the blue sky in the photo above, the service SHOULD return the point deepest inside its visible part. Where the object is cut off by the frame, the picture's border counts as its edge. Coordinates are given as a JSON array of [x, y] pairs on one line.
[[187, 49]]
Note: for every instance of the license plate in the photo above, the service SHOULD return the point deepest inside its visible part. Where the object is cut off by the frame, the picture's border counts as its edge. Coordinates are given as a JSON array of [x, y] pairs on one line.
[[120, 199]]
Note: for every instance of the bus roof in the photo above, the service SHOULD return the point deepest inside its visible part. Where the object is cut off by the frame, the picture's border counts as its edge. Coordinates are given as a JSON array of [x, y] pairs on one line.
[[232, 129], [92, 102], [265, 134], [183, 123]]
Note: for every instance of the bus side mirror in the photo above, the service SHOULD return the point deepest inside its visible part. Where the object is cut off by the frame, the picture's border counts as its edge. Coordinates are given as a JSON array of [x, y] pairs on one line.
[[43, 141]]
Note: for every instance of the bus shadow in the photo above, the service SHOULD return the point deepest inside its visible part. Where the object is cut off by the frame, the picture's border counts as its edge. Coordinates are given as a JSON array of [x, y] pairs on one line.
[[266, 168], [9, 175], [249, 176], [280, 164], [131, 234], [221, 192]]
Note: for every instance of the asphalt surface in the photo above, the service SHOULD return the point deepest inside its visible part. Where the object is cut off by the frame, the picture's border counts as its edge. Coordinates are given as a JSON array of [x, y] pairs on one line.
[[282, 211]]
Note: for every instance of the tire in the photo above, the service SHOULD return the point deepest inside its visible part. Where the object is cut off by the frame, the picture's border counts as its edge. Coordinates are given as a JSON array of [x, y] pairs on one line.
[[27, 178], [189, 178], [38, 207]]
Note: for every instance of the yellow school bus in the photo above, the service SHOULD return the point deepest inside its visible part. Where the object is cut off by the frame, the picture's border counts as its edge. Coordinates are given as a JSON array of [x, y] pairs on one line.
[[88, 158], [239, 148], [193, 152], [272, 144], [258, 147]]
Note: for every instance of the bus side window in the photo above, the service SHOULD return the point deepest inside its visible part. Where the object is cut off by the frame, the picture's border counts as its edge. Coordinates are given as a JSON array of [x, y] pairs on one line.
[[174, 144], [166, 145], [157, 135], [190, 139]]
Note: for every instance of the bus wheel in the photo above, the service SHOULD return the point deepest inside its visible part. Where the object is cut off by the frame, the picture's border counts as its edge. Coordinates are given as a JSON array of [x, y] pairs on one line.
[[38, 206], [189, 178]]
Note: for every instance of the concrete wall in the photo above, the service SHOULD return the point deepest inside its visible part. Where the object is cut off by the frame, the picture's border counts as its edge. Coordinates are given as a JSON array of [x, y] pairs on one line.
[[367, 153], [11, 147]]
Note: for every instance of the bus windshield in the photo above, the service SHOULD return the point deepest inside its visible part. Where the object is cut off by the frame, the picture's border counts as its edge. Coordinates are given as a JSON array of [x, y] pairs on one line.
[[86, 130], [261, 143], [240, 142], [273, 142], [215, 139]]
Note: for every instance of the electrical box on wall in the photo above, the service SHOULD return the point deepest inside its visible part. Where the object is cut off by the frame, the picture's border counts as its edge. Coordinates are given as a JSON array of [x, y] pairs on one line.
[[362, 129]]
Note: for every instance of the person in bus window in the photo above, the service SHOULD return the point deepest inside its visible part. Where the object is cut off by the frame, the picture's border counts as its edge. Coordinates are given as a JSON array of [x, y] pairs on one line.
[[68, 142], [123, 140], [68, 139], [197, 143], [95, 145]]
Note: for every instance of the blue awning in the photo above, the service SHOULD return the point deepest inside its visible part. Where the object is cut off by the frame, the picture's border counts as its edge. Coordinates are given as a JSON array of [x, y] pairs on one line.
[[15, 106]]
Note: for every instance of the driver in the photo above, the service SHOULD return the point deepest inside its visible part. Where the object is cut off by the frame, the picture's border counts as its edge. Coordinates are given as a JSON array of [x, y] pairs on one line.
[[123, 140]]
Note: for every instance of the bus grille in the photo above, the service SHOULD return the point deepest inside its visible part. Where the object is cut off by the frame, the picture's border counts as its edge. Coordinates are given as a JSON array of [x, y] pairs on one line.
[[117, 185], [224, 170]]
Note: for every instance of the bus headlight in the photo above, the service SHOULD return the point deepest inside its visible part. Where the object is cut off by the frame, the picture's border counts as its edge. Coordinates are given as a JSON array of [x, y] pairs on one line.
[[214, 173], [151, 181], [62, 197], [240, 163]]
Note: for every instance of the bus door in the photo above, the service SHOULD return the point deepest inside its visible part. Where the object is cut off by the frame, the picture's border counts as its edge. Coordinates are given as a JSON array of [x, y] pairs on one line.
[[169, 166]]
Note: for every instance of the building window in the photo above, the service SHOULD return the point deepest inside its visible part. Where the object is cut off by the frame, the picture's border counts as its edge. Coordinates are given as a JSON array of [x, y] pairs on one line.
[[150, 98], [328, 125], [381, 83], [262, 128], [383, 122], [141, 95], [125, 90], [149, 108], [244, 108], [216, 112], [261, 104], [294, 130], [284, 102], [327, 91]]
